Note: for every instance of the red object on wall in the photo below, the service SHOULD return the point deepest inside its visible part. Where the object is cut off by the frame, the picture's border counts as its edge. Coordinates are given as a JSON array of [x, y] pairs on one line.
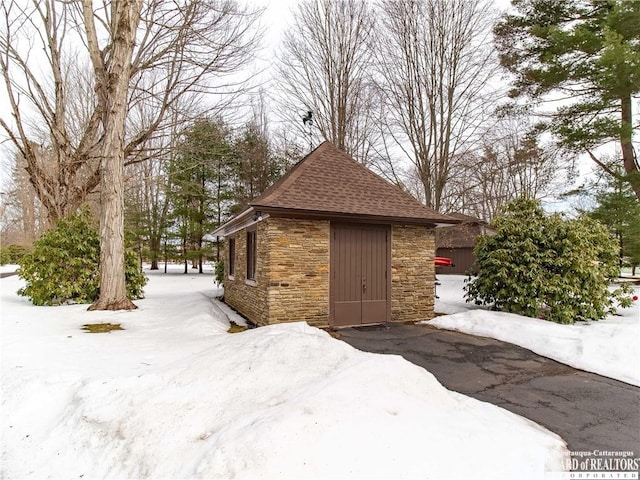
[[442, 262]]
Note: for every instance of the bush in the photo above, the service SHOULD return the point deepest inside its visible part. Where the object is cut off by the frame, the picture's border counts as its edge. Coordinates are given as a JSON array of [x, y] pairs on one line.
[[220, 272], [11, 254], [63, 266], [545, 266], [134, 279]]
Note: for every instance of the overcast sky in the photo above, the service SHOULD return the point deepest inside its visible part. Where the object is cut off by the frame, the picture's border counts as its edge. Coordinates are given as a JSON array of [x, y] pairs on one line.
[[276, 18]]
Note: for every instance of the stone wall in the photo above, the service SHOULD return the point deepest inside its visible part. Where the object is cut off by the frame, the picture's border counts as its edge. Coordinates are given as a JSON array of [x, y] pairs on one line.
[[298, 271], [292, 277], [248, 297], [412, 273]]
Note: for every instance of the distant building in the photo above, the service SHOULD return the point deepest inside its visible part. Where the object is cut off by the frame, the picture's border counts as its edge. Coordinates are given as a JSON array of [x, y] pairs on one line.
[[458, 241]]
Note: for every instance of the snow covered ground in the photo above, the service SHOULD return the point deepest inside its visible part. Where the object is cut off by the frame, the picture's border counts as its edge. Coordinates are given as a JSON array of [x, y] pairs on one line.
[[175, 396], [8, 268], [609, 347]]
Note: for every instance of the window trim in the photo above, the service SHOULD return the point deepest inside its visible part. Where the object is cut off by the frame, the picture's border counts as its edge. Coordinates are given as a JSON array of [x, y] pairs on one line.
[[252, 256]]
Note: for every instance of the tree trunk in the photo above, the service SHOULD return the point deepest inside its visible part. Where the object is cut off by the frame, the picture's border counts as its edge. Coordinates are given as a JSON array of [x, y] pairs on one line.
[[113, 292], [154, 251], [628, 157], [112, 87], [184, 252]]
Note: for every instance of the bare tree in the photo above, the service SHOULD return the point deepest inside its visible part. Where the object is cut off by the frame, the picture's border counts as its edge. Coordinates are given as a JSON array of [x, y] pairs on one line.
[[435, 63], [112, 71], [23, 217], [148, 181], [325, 69], [510, 163], [147, 202], [150, 53], [62, 166]]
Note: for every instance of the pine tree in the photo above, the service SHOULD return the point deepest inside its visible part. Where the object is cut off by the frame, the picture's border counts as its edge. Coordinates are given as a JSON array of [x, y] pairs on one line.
[[200, 185], [256, 168], [587, 53], [619, 209]]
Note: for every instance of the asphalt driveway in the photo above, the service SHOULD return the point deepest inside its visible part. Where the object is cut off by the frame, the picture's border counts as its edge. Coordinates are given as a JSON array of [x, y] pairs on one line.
[[588, 411]]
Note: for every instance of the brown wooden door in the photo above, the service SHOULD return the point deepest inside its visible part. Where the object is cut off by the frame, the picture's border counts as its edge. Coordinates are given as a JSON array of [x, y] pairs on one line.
[[360, 290]]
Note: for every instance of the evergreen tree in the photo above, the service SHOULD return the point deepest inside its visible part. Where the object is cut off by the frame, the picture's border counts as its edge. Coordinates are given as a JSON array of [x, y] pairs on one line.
[[256, 168], [200, 185], [619, 209], [588, 53], [544, 266]]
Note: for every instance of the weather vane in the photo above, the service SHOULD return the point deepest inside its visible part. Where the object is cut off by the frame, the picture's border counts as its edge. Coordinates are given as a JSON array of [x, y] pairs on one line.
[[308, 120]]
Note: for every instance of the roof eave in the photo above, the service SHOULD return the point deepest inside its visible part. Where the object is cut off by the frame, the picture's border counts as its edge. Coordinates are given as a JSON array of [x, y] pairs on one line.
[[358, 217], [240, 221]]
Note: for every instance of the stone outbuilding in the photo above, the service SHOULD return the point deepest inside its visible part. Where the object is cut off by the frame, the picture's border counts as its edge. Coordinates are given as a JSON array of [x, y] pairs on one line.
[[333, 244]]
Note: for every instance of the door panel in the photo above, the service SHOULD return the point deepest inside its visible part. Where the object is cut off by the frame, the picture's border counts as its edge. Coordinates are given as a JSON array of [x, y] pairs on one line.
[[374, 267], [347, 271], [359, 283]]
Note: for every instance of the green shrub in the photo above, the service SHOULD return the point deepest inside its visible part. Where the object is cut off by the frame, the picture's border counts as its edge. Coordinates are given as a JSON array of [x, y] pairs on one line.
[[11, 254], [134, 279], [63, 266], [545, 266], [219, 272]]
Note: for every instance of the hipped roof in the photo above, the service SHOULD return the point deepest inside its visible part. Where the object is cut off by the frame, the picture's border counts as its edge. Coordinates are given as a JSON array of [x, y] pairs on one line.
[[329, 183]]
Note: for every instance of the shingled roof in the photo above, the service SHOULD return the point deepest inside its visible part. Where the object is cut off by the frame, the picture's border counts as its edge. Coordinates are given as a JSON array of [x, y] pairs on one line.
[[463, 235], [329, 183]]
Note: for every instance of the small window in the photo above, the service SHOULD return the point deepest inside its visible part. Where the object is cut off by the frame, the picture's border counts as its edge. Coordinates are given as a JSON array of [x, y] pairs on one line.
[[232, 257], [252, 253]]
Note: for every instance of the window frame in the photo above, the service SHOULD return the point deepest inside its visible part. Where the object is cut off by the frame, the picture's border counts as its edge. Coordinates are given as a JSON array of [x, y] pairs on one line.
[[231, 257], [252, 255]]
